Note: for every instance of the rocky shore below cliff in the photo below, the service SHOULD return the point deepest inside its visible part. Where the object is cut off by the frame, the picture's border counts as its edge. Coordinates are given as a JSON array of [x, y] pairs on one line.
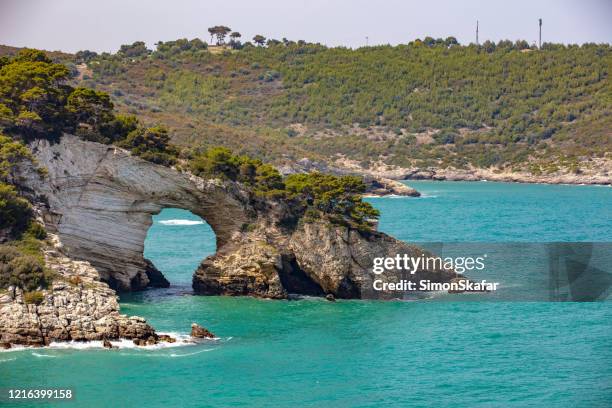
[[76, 306]]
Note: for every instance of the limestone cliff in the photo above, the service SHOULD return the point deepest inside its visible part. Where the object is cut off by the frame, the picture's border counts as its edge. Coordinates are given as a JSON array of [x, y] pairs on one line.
[[100, 201], [316, 258]]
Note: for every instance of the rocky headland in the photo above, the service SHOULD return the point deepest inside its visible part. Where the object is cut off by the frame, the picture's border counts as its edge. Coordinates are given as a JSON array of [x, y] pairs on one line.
[[97, 201], [378, 185], [100, 200]]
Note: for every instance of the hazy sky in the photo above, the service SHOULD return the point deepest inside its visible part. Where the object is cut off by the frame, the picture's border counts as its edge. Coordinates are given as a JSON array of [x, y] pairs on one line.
[[72, 25]]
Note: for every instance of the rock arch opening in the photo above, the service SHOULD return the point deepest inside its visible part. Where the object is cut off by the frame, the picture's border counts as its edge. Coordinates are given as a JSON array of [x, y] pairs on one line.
[[176, 243]]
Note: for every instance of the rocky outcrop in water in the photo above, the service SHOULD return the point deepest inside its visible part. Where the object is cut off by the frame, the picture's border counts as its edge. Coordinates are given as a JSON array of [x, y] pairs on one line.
[[76, 306], [100, 201], [380, 186], [317, 258], [200, 332]]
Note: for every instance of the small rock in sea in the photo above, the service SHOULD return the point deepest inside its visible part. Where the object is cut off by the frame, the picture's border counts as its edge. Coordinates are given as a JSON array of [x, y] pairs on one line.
[[330, 297], [5, 345], [107, 344], [151, 341], [166, 338], [140, 342], [200, 332]]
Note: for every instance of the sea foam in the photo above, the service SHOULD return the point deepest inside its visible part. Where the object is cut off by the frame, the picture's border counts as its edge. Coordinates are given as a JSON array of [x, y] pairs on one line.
[[182, 340], [181, 222]]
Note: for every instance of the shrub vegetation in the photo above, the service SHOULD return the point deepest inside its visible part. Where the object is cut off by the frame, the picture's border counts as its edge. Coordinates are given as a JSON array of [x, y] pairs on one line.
[[503, 104], [313, 194]]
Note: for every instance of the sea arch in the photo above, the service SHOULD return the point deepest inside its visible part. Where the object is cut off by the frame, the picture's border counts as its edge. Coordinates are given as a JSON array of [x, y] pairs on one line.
[[100, 201]]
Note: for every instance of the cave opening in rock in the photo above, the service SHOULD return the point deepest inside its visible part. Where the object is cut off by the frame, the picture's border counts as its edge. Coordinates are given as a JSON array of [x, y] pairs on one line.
[[177, 242]]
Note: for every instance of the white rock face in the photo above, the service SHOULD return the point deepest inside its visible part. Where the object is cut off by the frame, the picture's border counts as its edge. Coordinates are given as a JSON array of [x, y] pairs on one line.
[[101, 200]]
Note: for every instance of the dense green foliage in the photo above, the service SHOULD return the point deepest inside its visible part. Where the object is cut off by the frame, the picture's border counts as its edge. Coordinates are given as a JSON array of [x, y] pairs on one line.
[[21, 262], [21, 270], [36, 101], [11, 154], [337, 196], [152, 144], [219, 161], [313, 194], [169, 49], [430, 102], [32, 94], [15, 212]]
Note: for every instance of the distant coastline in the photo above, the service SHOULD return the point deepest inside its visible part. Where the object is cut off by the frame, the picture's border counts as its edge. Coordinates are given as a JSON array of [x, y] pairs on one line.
[[510, 177], [599, 173]]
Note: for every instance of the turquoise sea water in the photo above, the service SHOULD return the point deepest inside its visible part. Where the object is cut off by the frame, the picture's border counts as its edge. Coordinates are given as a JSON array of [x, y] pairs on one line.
[[361, 353], [498, 212]]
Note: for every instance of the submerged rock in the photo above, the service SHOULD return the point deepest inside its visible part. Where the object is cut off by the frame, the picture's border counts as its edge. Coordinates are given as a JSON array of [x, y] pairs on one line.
[[166, 338], [200, 332], [330, 297]]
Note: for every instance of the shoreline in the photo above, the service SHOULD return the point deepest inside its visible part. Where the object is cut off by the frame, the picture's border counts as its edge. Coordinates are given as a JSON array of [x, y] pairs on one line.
[[511, 178], [381, 177], [488, 175], [484, 180], [519, 178], [183, 340]]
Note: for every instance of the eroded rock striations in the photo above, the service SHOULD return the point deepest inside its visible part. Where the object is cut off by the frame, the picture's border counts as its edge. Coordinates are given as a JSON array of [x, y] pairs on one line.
[[100, 200]]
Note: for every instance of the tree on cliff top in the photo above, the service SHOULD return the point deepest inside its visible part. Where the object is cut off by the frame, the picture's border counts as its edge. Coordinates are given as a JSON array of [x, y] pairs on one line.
[[220, 32], [259, 40], [339, 197], [152, 144], [33, 94]]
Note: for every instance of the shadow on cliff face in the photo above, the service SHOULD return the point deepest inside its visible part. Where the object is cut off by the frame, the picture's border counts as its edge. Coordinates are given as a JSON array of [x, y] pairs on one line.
[[295, 280], [176, 243]]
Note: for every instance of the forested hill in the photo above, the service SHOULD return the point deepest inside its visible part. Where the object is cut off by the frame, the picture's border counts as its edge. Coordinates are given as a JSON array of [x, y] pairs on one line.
[[427, 103]]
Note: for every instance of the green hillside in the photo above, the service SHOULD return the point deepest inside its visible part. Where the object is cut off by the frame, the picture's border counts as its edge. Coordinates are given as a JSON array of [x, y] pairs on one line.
[[427, 103]]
